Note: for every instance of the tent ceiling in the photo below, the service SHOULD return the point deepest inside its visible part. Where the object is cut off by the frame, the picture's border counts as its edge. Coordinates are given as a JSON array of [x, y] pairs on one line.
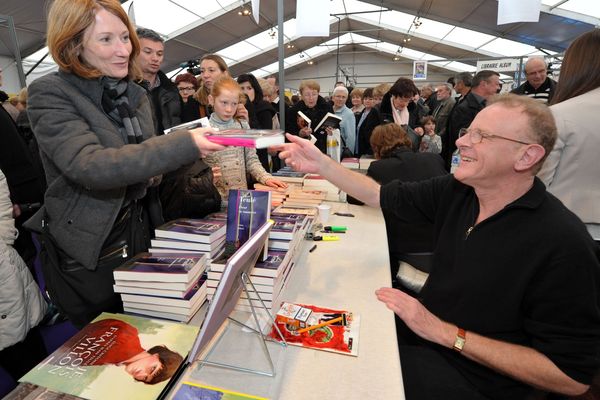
[[214, 26]]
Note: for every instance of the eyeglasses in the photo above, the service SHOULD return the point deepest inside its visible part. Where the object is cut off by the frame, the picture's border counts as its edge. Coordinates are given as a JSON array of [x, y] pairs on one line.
[[476, 136], [183, 89]]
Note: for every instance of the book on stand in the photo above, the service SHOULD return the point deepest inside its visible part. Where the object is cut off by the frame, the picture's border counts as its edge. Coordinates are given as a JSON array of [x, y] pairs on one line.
[[332, 330], [99, 361], [247, 211], [329, 120], [192, 230], [253, 138]]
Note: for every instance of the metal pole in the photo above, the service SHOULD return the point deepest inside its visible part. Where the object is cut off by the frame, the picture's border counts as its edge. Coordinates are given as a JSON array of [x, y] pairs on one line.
[[17, 53], [281, 55]]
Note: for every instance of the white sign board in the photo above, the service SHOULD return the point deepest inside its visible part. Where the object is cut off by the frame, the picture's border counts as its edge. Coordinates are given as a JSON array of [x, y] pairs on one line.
[[504, 65], [510, 11], [312, 18]]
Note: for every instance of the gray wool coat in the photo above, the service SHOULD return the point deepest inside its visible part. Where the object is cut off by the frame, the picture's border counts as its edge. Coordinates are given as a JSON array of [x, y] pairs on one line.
[[88, 162]]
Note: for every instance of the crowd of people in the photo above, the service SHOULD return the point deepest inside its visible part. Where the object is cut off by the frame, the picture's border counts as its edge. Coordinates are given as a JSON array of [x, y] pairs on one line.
[[512, 302]]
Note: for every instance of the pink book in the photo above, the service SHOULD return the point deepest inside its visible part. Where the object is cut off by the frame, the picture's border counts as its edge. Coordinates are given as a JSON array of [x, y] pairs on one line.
[[255, 138]]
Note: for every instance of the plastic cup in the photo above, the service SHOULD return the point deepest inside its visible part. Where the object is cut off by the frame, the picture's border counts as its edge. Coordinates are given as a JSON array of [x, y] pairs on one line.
[[324, 211]]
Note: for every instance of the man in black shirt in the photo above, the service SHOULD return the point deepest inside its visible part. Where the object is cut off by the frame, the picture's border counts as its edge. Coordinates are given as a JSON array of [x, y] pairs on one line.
[[538, 85], [512, 301]]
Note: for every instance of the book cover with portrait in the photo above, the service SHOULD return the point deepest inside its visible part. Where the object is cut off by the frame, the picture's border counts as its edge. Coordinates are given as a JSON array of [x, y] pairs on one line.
[[116, 357]]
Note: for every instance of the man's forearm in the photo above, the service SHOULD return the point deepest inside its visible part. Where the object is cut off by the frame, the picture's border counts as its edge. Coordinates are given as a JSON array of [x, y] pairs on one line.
[[353, 183], [519, 362]]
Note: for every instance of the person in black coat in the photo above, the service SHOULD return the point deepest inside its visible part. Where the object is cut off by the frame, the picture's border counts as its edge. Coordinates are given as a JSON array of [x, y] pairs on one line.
[[396, 160], [399, 107], [262, 113], [315, 108], [366, 121], [187, 84]]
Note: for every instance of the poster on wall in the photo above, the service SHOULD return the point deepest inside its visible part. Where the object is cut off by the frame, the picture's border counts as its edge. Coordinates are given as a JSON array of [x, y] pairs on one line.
[[419, 69]]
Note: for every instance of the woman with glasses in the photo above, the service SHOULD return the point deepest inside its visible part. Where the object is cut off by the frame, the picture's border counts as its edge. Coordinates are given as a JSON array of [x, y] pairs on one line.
[[187, 84], [315, 108], [397, 106]]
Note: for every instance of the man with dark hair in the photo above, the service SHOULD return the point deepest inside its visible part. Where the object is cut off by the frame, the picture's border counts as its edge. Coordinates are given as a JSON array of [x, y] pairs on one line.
[[485, 84], [164, 93], [538, 85], [462, 84]]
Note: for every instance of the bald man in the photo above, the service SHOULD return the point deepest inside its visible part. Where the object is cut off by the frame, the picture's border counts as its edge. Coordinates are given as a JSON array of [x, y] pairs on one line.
[[538, 86]]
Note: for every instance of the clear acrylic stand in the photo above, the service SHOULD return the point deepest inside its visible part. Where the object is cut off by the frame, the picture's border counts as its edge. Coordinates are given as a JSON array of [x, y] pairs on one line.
[[246, 281]]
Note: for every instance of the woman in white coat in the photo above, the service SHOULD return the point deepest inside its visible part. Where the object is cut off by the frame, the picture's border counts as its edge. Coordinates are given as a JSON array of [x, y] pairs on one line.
[[572, 170], [22, 306]]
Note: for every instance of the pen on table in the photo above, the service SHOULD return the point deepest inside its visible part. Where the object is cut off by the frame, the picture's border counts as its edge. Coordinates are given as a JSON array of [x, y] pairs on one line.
[[326, 238], [322, 324], [337, 229], [312, 248]]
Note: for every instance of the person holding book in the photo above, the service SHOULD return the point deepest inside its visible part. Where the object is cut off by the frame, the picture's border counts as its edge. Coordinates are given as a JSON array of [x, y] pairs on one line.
[[233, 162], [97, 141], [512, 301], [314, 107]]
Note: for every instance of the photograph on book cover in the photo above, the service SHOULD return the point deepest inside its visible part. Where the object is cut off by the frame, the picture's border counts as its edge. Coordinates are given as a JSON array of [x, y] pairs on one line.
[[116, 357], [318, 328], [230, 288]]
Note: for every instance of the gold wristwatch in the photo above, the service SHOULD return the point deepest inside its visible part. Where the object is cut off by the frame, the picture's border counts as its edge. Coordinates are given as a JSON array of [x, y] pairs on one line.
[[461, 339]]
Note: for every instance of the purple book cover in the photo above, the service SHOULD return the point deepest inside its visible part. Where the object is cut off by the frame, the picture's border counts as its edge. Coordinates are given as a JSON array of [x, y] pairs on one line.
[[194, 227], [273, 261], [247, 211]]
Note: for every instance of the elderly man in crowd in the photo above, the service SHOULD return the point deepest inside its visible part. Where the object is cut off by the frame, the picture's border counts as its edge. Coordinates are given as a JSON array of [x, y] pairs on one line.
[[512, 301], [538, 85]]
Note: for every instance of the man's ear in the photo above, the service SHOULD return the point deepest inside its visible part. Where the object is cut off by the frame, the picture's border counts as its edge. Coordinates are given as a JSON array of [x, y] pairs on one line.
[[211, 100], [530, 157]]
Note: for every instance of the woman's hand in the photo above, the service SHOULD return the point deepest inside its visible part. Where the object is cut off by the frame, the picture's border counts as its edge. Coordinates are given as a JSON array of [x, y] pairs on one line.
[[305, 132], [276, 183], [329, 130], [204, 145], [419, 131], [241, 112]]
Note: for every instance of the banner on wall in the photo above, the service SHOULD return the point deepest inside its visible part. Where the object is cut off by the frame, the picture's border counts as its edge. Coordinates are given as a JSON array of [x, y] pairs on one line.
[[312, 18], [419, 69], [504, 65]]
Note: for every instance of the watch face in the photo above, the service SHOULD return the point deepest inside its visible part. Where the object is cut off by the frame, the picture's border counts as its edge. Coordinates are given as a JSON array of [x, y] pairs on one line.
[[459, 343]]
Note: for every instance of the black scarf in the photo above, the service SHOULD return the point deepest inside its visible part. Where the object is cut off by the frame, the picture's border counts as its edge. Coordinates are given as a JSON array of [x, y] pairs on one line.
[[116, 104]]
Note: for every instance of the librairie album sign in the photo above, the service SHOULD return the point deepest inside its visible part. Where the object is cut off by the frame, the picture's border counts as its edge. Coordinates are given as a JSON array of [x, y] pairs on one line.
[[504, 65]]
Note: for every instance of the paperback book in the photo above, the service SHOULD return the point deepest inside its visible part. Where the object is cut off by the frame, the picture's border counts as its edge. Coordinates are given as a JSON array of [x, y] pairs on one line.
[[192, 230], [192, 390], [104, 359], [318, 328], [329, 120], [161, 268], [255, 138], [247, 211], [187, 245]]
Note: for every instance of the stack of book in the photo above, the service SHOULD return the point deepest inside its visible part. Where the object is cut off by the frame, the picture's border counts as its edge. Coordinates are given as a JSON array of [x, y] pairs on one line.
[[351, 162], [305, 198], [278, 195], [271, 275], [206, 236], [317, 182], [269, 278], [288, 175], [170, 286]]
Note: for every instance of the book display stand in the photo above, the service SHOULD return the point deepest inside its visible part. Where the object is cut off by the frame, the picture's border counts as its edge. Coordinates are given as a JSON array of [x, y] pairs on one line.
[[248, 286]]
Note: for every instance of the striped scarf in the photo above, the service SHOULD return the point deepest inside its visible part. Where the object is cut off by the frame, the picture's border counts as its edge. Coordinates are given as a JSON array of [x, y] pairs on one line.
[[116, 104]]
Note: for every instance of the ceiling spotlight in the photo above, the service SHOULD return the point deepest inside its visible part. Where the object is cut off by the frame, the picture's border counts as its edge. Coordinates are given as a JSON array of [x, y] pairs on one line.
[[406, 39], [396, 58], [310, 62], [290, 46], [417, 22], [301, 55], [244, 11], [272, 33]]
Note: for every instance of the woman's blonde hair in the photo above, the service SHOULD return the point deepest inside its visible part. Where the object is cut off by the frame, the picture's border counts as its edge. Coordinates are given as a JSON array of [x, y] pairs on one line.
[[202, 93], [67, 23]]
